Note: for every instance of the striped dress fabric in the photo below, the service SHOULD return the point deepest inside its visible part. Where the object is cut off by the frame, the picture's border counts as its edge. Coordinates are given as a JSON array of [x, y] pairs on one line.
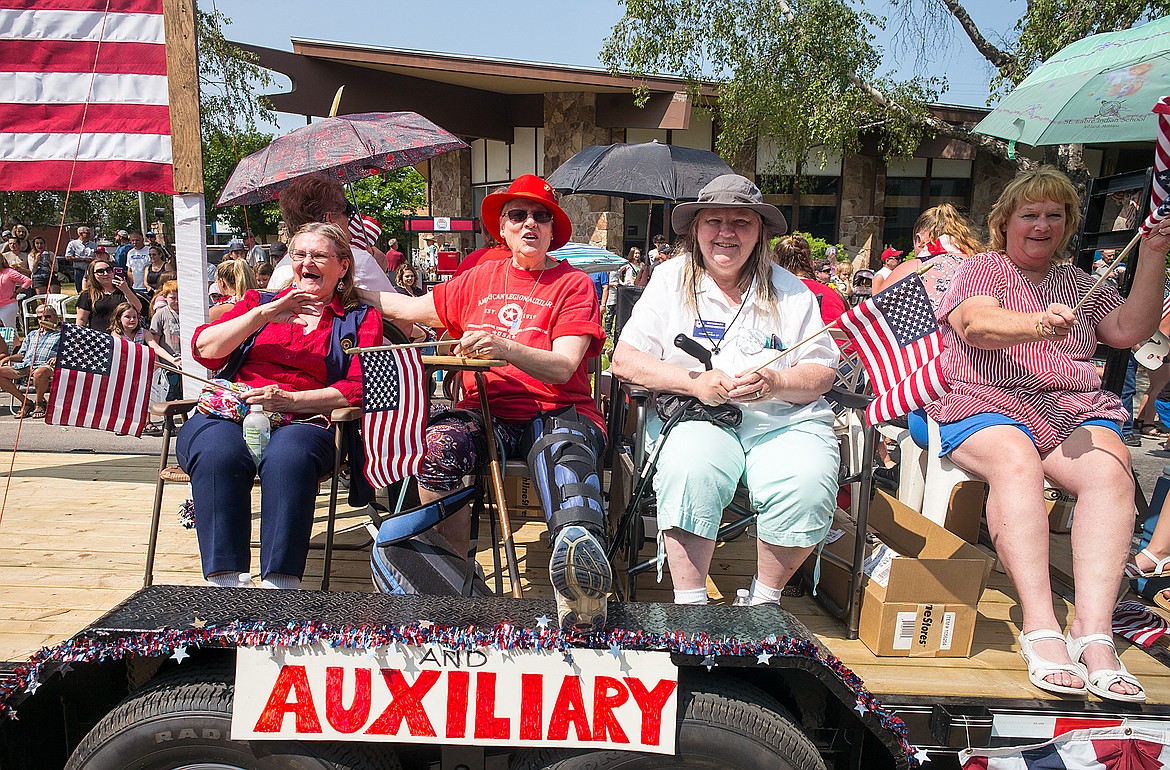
[[1051, 386]]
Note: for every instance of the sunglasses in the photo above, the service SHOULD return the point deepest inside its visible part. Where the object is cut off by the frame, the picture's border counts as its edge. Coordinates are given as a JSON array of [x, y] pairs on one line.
[[521, 215], [101, 270]]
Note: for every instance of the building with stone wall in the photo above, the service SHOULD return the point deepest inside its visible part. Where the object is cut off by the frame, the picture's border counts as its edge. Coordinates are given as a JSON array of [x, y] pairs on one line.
[[530, 118]]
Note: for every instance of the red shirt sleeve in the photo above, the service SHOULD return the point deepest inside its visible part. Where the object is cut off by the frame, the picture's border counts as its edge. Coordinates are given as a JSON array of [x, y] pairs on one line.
[[250, 300], [449, 297], [580, 315]]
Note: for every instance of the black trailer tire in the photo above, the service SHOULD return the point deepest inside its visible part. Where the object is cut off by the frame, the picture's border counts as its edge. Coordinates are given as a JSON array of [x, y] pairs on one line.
[[724, 725], [184, 720]]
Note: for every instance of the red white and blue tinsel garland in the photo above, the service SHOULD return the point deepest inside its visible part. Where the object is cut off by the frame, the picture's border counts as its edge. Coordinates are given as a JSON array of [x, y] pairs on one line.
[[175, 642]]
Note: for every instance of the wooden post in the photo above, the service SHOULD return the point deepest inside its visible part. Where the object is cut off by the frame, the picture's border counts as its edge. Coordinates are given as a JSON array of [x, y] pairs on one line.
[[179, 24]]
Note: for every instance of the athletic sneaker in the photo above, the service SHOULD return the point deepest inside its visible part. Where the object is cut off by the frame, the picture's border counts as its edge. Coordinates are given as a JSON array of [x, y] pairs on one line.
[[580, 577]]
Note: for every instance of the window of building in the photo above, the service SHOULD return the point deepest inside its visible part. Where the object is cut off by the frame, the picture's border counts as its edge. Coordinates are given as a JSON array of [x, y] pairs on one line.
[[809, 195], [916, 184]]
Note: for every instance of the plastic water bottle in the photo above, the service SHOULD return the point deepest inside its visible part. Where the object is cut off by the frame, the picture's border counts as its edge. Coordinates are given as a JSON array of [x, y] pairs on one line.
[[257, 431], [742, 597]]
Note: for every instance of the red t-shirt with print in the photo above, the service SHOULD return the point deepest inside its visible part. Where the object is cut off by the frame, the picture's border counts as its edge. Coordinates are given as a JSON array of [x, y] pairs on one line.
[[532, 308]]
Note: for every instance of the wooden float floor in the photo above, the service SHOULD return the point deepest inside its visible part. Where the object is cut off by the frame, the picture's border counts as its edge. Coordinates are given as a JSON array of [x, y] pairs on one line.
[[73, 539]]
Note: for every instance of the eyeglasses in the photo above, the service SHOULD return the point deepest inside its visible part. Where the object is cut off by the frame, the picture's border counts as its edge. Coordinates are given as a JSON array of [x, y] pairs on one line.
[[521, 215], [318, 257]]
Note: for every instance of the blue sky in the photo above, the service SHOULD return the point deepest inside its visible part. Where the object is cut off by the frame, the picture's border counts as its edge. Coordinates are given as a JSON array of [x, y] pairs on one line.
[[553, 32]]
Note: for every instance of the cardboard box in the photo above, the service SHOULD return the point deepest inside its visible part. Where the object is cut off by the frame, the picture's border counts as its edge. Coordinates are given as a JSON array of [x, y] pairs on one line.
[[965, 510], [1060, 509], [521, 496], [839, 543], [921, 591]]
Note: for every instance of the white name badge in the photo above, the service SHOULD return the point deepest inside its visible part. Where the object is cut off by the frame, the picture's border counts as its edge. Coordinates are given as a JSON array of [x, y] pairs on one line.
[[431, 694], [709, 330]]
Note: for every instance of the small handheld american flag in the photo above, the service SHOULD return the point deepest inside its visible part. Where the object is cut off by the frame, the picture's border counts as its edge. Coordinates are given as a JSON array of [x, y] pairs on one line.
[[899, 342], [394, 418], [100, 381], [1160, 191]]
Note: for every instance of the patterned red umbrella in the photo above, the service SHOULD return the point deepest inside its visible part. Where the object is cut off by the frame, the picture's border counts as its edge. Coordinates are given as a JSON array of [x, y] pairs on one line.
[[347, 147]]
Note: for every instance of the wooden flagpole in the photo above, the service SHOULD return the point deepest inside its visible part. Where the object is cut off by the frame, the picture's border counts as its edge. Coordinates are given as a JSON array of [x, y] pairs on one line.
[[921, 271], [1109, 270]]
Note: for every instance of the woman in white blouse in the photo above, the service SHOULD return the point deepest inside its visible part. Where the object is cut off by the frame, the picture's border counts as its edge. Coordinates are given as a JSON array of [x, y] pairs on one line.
[[730, 298]]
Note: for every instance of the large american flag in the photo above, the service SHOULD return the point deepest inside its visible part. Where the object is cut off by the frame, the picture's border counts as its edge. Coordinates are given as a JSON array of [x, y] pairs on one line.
[[1160, 191], [100, 381], [899, 342], [83, 96], [1102, 748], [394, 418]]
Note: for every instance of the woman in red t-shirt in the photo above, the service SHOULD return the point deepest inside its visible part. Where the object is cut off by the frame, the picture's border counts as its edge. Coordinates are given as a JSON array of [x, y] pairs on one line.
[[541, 316]]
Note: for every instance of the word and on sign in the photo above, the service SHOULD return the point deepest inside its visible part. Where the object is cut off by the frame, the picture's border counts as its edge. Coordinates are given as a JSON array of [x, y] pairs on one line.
[[431, 694]]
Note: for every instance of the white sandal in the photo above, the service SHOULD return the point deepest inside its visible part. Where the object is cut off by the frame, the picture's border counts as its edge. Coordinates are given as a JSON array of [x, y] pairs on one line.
[[1098, 681], [1040, 667], [1161, 567]]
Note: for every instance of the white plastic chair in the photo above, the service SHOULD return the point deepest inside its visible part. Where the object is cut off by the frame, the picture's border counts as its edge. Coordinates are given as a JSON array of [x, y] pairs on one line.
[[68, 309], [941, 478], [911, 465]]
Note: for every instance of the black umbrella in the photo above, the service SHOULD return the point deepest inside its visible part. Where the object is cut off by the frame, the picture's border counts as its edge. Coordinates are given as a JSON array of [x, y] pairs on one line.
[[649, 171]]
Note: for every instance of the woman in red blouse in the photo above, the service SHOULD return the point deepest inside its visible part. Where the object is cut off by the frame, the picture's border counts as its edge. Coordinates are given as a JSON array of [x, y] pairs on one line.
[[541, 316], [286, 371], [1026, 403]]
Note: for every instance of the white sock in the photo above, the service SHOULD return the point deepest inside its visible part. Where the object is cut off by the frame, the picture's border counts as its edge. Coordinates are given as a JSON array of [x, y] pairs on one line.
[[225, 579], [762, 594], [693, 596], [276, 580]]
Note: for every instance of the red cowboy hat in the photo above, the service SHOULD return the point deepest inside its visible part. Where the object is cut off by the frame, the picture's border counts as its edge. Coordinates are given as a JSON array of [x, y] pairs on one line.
[[533, 188]]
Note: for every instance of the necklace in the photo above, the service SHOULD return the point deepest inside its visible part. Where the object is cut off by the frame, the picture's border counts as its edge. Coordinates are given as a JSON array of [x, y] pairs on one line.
[[518, 317], [716, 346]]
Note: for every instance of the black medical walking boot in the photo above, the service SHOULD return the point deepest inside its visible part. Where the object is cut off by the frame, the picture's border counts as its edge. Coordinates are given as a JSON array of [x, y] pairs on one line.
[[581, 578]]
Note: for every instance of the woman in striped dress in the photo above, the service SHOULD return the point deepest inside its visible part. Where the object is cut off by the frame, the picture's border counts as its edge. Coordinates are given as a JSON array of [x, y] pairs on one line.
[[1026, 403]]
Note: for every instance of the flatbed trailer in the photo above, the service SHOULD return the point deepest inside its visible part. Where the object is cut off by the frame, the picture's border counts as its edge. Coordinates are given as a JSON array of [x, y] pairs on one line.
[[56, 582]]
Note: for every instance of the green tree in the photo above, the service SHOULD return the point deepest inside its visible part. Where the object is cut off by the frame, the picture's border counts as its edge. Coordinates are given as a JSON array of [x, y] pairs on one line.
[[389, 197], [221, 153], [806, 72]]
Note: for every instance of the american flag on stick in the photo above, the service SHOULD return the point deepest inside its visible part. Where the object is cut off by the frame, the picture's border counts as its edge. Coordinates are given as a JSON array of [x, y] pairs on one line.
[[1160, 191], [100, 381], [85, 96], [899, 342], [394, 418], [364, 231]]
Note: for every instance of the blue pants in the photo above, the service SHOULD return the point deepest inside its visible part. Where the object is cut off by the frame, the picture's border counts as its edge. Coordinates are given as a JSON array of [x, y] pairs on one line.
[[213, 453], [1128, 391]]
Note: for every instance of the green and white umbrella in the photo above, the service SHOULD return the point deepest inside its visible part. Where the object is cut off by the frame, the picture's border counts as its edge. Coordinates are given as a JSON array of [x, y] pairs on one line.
[[1097, 90]]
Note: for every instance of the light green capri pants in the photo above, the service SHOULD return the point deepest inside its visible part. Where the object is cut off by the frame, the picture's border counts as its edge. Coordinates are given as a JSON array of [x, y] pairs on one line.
[[790, 473]]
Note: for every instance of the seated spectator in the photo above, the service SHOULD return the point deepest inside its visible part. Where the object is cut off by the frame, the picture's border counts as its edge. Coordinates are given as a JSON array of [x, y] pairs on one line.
[[106, 290], [264, 274], [12, 283], [794, 254], [407, 279], [285, 371], [1026, 404], [842, 279], [731, 299], [36, 358], [891, 258], [540, 315]]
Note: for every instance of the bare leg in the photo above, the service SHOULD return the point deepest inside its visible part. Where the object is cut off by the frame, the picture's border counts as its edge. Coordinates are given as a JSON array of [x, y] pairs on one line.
[[776, 563], [689, 557], [42, 379], [1008, 460], [1093, 464], [1158, 379], [456, 527], [8, 377]]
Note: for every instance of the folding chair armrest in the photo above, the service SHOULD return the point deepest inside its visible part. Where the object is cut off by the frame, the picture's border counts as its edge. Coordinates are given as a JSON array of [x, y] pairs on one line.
[[346, 414], [848, 398], [172, 408]]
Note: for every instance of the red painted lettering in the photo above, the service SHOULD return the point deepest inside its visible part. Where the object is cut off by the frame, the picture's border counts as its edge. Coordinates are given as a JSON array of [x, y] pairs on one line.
[[604, 702], [531, 706], [405, 703], [290, 679], [342, 719], [457, 682], [570, 707], [487, 724], [651, 704]]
